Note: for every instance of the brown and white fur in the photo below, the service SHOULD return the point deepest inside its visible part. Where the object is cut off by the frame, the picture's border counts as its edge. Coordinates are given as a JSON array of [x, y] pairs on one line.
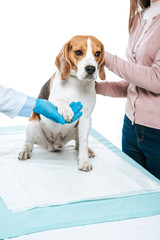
[[71, 82]]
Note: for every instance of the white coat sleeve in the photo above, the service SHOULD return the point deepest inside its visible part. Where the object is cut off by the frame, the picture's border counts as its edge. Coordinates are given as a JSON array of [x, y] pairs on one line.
[[13, 103]]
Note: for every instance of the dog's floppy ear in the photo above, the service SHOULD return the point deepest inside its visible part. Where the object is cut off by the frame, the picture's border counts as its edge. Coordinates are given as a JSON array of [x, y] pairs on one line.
[[62, 62], [102, 74]]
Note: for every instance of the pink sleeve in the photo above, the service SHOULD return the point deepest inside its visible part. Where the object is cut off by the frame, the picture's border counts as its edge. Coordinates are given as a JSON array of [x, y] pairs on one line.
[[141, 76], [112, 89]]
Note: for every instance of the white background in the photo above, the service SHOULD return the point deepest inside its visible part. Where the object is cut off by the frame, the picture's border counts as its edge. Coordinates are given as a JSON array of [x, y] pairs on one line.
[[32, 33]]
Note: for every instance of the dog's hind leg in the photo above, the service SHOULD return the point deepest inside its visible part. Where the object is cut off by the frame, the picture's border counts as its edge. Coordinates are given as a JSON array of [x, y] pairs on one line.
[[91, 153], [77, 138], [34, 134], [29, 141]]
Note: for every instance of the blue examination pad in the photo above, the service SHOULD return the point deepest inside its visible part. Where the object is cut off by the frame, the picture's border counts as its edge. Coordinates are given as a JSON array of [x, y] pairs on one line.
[[14, 224]]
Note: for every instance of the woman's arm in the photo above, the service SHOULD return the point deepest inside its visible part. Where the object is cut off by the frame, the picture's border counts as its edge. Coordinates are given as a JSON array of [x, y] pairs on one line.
[[112, 89], [141, 76]]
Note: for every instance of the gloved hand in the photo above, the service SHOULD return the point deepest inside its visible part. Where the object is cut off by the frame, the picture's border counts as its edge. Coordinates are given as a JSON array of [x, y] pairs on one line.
[[47, 109], [76, 107]]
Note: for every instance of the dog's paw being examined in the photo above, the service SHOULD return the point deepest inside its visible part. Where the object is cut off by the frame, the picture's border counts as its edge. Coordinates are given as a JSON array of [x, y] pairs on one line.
[[66, 112]]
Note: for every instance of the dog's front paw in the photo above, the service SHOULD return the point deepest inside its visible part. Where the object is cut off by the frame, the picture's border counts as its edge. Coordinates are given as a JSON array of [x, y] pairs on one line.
[[85, 165], [66, 112], [25, 154]]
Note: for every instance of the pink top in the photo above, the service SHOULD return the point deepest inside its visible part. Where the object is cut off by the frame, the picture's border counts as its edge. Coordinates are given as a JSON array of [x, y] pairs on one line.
[[141, 74]]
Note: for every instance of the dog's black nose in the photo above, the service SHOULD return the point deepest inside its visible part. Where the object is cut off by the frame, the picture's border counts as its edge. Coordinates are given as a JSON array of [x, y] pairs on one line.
[[90, 69]]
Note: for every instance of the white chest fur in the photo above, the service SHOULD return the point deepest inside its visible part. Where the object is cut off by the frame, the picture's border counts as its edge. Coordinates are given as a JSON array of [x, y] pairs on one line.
[[70, 90]]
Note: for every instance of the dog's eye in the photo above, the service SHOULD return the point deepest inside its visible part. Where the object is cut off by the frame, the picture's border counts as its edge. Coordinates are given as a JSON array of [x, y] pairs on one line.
[[97, 54], [79, 53]]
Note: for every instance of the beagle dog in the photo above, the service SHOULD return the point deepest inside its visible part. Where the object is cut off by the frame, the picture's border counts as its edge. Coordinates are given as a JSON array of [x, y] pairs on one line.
[[79, 62]]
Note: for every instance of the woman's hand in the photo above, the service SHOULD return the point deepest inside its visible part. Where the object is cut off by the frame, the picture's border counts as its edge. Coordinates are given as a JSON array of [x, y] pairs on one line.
[[49, 110]]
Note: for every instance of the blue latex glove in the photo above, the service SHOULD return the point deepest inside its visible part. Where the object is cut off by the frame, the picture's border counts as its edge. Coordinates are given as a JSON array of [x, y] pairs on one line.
[[76, 107], [47, 109]]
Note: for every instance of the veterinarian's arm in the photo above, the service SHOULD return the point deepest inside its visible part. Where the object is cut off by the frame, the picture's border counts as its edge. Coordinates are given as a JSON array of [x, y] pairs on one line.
[[135, 73], [112, 89], [13, 103]]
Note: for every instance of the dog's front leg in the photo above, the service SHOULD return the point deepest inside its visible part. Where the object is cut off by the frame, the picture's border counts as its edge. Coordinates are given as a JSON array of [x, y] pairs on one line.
[[64, 109], [83, 132]]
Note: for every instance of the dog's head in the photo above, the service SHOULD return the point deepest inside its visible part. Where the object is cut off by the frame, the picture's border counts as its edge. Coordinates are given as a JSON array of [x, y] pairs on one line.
[[83, 57]]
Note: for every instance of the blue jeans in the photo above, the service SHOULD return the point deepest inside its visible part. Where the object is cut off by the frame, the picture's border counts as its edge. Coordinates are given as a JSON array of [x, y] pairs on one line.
[[143, 145]]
